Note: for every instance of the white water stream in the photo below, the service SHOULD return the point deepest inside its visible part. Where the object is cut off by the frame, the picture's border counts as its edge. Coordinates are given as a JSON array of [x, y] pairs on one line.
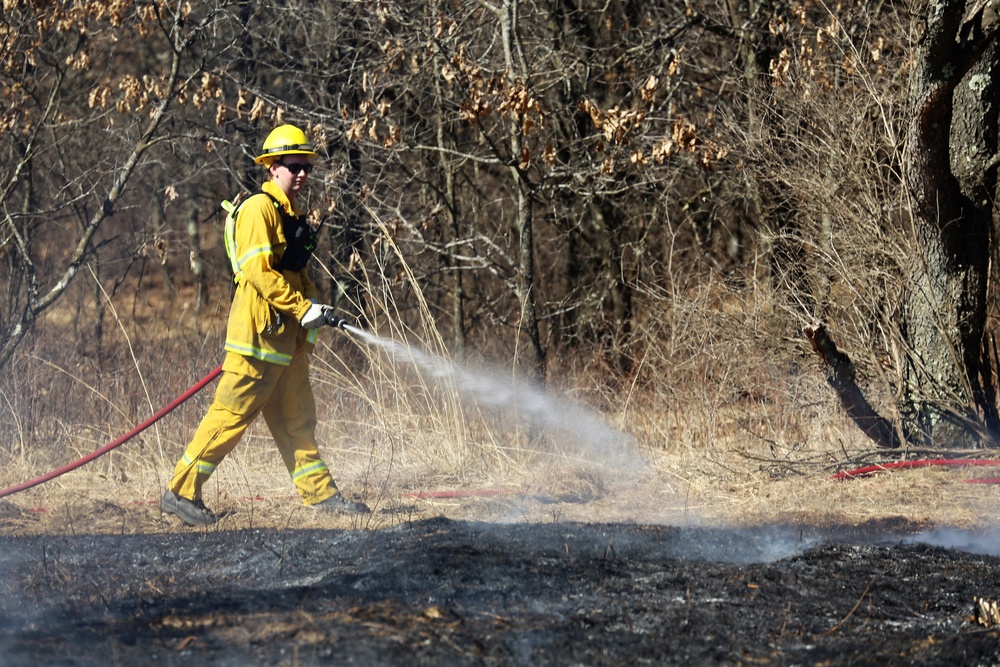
[[580, 432]]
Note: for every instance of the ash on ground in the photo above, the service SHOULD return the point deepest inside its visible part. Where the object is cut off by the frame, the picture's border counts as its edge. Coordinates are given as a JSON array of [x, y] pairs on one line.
[[461, 593]]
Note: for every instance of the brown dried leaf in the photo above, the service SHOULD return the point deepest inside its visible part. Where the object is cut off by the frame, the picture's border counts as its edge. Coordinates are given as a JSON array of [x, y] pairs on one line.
[[648, 90], [549, 155], [525, 159], [241, 103], [257, 110], [596, 117], [356, 131]]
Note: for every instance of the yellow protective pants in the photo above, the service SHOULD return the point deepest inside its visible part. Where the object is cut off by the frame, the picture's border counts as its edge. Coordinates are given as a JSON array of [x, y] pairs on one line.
[[249, 387]]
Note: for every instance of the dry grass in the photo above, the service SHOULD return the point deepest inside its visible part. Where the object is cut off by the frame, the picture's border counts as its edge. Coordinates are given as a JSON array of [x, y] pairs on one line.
[[727, 409]]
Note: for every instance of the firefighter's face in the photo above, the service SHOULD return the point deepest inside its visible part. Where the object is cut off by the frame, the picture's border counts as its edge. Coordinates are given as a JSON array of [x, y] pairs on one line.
[[290, 173]]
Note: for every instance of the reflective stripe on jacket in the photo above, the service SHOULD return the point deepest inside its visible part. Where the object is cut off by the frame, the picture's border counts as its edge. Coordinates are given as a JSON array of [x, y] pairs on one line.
[[268, 304]]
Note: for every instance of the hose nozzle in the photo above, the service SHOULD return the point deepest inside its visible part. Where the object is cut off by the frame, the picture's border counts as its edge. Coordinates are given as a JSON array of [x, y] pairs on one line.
[[332, 320]]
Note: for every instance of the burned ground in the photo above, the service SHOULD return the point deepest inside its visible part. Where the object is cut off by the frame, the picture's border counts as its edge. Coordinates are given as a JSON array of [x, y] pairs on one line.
[[462, 593]]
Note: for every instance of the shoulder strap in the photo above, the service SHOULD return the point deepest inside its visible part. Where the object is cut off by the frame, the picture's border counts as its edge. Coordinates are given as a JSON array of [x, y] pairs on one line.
[[274, 200], [232, 209], [229, 236]]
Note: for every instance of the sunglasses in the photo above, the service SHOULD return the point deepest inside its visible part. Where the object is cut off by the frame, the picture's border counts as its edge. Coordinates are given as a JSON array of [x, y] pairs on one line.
[[296, 168]]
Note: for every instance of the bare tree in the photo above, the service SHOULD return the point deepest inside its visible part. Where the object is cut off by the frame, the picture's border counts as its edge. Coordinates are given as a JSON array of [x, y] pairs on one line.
[[77, 134]]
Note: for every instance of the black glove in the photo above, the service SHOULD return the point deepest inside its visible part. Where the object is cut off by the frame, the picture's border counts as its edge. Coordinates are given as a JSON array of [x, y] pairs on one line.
[[332, 320]]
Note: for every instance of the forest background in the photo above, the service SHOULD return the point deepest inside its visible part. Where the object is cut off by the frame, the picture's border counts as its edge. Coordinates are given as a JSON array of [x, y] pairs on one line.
[[659, 210]]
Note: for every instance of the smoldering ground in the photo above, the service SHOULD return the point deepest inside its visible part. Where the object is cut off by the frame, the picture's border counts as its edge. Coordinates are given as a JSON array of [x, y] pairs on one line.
[[462, 593]]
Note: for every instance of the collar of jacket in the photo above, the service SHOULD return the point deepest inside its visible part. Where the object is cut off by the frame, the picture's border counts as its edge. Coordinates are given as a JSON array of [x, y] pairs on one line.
[[272, 189]]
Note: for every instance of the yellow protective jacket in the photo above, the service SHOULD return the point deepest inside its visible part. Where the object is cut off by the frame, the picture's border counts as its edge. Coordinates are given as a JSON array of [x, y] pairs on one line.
[[268, 304]]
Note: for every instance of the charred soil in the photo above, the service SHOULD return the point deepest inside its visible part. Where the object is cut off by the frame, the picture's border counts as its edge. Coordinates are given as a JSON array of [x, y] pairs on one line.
[[440, 591]]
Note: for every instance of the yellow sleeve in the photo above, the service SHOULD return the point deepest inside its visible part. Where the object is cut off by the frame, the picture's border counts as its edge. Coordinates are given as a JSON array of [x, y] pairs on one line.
[[309, 290], [259, 239]]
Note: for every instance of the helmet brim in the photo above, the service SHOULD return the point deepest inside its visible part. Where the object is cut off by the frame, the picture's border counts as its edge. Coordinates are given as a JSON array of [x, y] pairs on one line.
[[262, 159]]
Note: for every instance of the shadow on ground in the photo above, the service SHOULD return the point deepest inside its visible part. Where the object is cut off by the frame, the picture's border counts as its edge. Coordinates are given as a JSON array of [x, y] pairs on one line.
[[440, 592]]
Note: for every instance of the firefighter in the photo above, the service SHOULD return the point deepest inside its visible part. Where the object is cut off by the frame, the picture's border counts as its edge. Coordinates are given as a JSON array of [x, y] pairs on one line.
[[272, 327]]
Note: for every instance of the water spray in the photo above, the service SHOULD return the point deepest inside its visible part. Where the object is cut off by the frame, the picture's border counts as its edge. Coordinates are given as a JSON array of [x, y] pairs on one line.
[[587, 436]]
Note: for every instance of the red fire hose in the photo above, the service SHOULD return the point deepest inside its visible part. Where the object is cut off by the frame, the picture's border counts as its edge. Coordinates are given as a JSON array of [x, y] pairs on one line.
[[120, 441], [922, 463]]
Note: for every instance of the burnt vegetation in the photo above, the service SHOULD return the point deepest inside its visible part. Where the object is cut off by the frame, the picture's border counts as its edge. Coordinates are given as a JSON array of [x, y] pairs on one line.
[[477, 594]]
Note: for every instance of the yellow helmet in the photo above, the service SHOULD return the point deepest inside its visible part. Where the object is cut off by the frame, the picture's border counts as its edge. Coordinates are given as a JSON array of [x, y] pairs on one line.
[[285, 140]]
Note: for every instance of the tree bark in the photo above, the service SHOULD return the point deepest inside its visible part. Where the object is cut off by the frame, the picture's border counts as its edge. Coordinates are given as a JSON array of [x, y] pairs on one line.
[[454, 232], [944, 312], [526, 291], [197, 263]]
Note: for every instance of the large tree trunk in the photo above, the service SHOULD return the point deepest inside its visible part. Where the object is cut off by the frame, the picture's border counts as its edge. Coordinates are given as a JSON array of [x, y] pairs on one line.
[[943, 319]]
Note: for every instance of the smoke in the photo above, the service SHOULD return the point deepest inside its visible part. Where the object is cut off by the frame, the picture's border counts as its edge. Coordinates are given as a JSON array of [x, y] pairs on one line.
[[581, 434], [985, 542]]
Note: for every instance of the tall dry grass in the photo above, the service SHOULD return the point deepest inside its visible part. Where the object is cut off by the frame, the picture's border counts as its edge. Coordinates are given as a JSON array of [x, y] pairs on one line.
[[723, 401], [725, 405]]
